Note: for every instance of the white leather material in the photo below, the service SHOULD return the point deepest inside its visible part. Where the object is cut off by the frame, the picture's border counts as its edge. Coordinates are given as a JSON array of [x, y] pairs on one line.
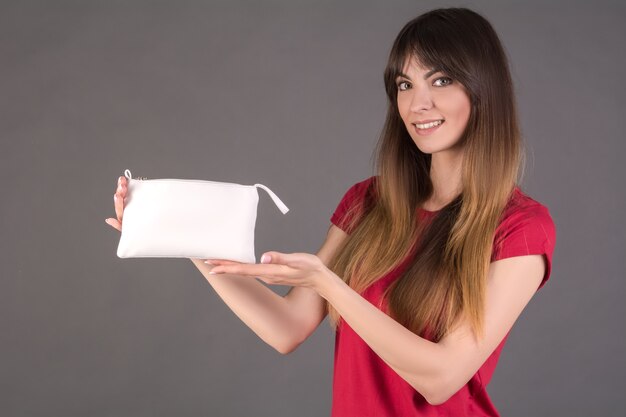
[[180, 218]]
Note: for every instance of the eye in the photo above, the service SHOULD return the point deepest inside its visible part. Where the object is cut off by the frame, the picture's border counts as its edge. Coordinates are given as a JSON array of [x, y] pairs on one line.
[[400, 85], [443, 78]]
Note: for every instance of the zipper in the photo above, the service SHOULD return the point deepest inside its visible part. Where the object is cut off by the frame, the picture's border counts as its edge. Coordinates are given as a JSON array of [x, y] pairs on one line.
[[129, 175], [281, 206]]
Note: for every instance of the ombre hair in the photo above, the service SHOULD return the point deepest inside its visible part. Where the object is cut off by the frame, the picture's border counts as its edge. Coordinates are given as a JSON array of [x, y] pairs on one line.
[[445, 277]]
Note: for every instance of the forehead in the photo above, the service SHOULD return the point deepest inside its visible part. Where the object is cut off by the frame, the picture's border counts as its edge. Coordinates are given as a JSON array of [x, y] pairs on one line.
[[413, 64]]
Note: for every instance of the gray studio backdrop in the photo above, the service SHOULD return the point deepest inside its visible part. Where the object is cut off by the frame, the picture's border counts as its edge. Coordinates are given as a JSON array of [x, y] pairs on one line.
[[289, 95]]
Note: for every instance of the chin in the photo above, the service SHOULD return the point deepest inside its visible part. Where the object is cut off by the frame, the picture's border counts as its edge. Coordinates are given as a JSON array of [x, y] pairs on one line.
[[433, 145], [428, 147]]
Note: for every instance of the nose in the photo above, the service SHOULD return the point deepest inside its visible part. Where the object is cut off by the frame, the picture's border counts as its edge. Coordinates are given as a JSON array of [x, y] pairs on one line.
[[421, 99]]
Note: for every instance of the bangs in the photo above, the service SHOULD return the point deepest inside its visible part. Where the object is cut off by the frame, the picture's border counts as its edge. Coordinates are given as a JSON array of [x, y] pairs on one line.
[[416, 48], [431, 43]]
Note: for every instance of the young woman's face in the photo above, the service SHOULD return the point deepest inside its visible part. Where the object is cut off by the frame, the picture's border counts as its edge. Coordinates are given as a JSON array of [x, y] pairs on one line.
[[425, 96]]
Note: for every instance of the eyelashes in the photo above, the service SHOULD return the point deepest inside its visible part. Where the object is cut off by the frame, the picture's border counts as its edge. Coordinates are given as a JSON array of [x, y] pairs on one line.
[[447, 79], [400, 84]]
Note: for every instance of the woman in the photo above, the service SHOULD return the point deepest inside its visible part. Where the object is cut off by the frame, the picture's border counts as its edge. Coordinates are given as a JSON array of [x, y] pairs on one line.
[[427, 264]]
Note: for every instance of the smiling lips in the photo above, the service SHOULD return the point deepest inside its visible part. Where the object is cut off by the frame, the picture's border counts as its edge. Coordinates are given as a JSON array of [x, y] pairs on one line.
[[429, 124], [427, 128]]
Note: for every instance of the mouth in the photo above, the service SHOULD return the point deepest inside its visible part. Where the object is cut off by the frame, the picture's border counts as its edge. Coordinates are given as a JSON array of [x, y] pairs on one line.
[[427, 128]]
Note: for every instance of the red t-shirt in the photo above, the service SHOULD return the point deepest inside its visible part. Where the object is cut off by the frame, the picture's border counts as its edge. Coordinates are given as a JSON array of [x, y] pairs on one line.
[[364, 385]]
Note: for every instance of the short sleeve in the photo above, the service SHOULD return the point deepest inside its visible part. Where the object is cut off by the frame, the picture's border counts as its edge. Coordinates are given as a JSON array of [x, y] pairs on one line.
[[528, 232], [353, 199]]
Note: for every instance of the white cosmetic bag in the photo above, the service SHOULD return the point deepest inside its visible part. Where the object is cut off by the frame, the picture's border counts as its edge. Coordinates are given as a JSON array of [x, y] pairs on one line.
[[180, 218]]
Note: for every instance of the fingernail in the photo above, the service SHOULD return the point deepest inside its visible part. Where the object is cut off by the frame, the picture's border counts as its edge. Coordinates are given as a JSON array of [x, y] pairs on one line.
[[208, 262], [265, 259]]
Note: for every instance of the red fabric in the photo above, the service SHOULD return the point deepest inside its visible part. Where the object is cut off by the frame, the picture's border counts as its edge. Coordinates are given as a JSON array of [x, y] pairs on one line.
[[364, 385]]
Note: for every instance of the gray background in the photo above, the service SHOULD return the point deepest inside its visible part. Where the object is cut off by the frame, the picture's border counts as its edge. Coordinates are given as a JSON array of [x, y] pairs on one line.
[[289, 95]]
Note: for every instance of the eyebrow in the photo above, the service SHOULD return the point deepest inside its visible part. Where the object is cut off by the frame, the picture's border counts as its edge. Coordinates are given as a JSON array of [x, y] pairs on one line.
[[428, 74]]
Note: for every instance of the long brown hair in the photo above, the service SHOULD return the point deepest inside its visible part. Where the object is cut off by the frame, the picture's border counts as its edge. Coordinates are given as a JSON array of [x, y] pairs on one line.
[[446, 278]]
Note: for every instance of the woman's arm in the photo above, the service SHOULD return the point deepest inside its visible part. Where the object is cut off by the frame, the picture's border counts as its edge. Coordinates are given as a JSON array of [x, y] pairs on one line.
[[435, 370], [282, 322], [438, 370]]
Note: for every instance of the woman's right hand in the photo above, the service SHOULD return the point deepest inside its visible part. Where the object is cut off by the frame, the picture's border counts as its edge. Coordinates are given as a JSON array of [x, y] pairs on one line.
[[118, 202]]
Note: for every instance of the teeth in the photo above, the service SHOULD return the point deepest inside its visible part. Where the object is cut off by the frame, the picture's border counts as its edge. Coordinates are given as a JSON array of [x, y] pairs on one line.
[[429, 125]]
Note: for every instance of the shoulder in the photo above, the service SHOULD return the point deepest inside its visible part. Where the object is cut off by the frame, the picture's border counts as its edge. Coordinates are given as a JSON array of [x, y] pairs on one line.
[[526, 228], [360, 190], [364, 185], [357, 198], [521, 206], [528, 220]]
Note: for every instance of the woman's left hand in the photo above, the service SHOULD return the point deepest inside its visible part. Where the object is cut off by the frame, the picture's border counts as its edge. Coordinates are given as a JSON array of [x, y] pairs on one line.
[[294, 269]]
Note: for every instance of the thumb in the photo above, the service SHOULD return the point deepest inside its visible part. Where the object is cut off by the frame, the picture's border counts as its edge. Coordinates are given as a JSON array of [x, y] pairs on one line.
[[270, 257]]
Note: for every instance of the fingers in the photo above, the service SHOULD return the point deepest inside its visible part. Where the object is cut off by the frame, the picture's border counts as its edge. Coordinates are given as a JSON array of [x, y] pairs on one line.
[[119, 207], [221, 262], [118, 203], [114, 223], [268, 271], [273, 257], [118, 198]]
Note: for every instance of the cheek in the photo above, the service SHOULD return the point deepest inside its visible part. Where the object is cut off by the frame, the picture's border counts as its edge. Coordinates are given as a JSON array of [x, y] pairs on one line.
[[403, 107], [462, 108], [467, 109]]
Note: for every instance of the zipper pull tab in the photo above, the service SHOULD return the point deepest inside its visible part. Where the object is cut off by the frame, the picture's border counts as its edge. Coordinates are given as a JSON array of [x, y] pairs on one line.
[[128, 175], [281, 206]]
